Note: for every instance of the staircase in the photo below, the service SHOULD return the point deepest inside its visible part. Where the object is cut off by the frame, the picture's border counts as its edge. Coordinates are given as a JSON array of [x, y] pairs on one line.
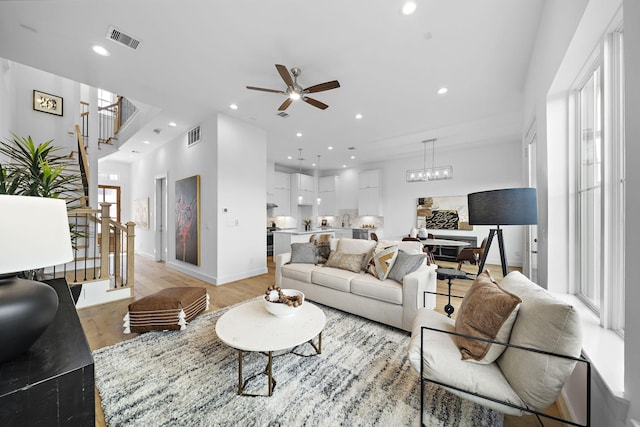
[[103, 264]]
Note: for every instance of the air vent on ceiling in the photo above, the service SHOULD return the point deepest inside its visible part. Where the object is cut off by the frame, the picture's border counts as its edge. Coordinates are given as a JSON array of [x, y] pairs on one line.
[[282, 114], [193, 136], [122, 38]]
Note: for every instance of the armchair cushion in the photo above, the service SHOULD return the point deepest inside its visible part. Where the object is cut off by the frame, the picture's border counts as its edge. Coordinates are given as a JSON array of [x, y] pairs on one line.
[[488, 312], [545, 323]]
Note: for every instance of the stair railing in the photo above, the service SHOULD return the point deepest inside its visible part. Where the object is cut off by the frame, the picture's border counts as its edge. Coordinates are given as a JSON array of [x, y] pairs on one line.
[[112, 118], [103, 248]]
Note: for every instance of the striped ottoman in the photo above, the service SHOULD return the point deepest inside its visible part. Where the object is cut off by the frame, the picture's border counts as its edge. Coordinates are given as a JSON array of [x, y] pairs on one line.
[[168, 309]]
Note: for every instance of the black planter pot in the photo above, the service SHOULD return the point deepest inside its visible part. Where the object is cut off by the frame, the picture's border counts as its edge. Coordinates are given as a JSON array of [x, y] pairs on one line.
[[26, 310]]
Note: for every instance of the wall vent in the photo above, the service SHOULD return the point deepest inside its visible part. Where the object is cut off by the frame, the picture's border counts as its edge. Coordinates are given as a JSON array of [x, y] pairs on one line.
[[122, 38], [282, 114], [193, 136]]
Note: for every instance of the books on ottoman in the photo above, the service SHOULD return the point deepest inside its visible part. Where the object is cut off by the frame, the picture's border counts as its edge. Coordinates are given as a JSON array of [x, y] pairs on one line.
[[168, 309]]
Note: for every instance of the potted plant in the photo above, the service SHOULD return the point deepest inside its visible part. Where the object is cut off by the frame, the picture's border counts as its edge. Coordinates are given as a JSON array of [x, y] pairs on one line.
[[307, 224]]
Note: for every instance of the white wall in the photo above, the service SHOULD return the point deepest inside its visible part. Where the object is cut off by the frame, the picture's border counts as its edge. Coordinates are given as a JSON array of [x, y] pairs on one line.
[[21, 80], [7, 101], [242, 160], [632, 245], [229, 159], [475, 168]]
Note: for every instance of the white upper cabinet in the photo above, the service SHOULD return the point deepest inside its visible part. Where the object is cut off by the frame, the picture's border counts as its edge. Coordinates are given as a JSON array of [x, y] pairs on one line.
[[301, 189], [282, 194], [282, 180], [369, 193], [327, 194]]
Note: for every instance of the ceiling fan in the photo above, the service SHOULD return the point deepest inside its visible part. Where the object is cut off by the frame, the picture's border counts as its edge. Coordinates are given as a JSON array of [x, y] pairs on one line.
[[295, 91]]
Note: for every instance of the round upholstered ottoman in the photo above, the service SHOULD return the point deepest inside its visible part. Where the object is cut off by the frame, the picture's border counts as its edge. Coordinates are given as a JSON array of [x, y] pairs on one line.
[[168, 309]]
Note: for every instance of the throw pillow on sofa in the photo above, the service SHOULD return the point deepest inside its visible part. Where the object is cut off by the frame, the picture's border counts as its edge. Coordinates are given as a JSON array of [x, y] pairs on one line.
[[487, 311], [303, 253], [343, 261], [405, 264], [323, 246], [382, 262]]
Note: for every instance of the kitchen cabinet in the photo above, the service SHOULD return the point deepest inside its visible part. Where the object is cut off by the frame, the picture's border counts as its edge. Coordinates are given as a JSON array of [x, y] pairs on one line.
[[344, 233], [327, 194], [302, 192], [369, 193], [282, 194]]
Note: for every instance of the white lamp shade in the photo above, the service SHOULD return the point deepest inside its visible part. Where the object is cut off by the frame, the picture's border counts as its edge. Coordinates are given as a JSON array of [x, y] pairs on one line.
[[34, 232]]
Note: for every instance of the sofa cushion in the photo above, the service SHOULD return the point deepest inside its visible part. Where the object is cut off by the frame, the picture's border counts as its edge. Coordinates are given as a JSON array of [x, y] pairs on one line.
[[410, 247], [323, 247], [299, 272], [405, 264], [486, 312], [371, 287], [357, 246], [544, 323], [442, 363], [334, 278], [351, 262], [304, 253], [382, 261]]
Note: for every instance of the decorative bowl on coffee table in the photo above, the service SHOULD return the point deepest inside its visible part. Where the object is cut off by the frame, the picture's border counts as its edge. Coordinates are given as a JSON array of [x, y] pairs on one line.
[[280, 309]]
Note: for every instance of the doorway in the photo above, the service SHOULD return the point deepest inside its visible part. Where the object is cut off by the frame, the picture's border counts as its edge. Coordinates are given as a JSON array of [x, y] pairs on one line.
[[160, 216]]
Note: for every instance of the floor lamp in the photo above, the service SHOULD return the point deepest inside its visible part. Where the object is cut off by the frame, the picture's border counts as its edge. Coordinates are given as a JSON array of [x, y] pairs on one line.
[[511, 206]]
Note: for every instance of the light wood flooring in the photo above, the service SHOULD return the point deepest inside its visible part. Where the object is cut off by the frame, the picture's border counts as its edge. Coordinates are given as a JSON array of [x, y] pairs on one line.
[[103, 324]]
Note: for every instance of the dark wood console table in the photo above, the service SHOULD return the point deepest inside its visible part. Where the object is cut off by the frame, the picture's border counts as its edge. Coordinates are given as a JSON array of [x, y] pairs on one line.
[[52, 383]]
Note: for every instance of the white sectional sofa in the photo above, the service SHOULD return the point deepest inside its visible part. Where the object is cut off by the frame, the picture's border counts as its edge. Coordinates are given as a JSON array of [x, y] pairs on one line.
[[363, 294]]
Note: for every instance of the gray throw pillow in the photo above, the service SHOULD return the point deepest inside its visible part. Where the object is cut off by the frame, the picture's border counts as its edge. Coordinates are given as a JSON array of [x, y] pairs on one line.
[[303, 253], [405, 264]]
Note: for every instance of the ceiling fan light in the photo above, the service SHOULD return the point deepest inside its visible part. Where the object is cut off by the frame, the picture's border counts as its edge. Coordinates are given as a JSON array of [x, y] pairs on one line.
[[294, 95], [408, 8]]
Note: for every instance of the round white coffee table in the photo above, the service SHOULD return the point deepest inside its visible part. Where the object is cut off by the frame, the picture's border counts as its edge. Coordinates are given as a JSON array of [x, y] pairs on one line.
[[250, 327]]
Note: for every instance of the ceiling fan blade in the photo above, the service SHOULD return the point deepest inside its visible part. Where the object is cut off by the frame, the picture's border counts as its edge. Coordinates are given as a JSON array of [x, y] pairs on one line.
[[266, 90], [323, 86], [315, 103], [284, 73], [285, 104]]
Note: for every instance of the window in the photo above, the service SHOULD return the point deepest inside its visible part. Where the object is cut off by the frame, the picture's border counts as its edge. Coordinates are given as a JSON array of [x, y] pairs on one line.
[[110, 194], [105, 98], [589, 191], [599, 159]]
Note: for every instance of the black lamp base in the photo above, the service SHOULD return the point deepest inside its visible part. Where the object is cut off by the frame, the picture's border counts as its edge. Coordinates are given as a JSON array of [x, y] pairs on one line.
[[503, 255], [26, 310]]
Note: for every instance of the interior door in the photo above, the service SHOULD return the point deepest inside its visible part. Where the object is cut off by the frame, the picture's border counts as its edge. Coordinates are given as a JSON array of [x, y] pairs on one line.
[[160, 207]]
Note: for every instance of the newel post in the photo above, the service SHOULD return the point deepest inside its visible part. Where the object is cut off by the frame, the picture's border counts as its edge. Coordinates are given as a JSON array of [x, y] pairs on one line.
[[104, 240], [131, 227]]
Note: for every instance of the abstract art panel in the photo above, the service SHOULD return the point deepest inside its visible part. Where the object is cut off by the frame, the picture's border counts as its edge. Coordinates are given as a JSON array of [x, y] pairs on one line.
[[141, 212], [188, 220], [443, 213]]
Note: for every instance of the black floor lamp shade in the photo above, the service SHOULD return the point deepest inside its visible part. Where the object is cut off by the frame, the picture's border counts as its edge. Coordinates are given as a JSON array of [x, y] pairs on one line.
[[510, 206]]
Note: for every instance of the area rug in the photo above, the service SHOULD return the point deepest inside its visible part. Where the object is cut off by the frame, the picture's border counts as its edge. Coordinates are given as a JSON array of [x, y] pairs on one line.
[[189, 378]]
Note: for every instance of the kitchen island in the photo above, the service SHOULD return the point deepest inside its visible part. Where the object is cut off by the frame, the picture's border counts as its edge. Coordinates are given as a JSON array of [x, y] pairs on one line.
[[282, 239]]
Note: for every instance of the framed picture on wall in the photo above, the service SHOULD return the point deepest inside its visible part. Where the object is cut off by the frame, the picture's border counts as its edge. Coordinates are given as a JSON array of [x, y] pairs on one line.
[[47, 103], [443, 213], [141, 212], [188, 220]]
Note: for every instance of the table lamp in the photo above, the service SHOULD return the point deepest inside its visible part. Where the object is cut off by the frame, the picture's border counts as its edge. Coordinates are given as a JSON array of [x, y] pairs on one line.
[[35, 233], [511, 206]]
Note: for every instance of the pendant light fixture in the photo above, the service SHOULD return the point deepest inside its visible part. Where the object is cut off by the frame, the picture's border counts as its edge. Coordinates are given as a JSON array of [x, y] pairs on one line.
[[433, 173], [319, 199], [300, 159]]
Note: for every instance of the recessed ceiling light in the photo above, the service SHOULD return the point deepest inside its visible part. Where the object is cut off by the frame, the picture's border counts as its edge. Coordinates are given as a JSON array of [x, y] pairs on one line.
[[313, 164], [353, 157], [172, 124], [442, 90], [298, 134], [100, 50], [409, 7], [289, 157], [358, 116], [344, 166], [233, 106], [146, 142], [329, 148]]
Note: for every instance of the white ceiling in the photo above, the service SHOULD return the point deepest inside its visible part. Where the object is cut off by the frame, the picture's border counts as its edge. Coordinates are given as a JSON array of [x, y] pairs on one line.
[[197, 56]]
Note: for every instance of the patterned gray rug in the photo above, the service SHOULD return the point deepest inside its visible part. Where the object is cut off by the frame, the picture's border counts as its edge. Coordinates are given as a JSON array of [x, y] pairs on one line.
[[189, 378]]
